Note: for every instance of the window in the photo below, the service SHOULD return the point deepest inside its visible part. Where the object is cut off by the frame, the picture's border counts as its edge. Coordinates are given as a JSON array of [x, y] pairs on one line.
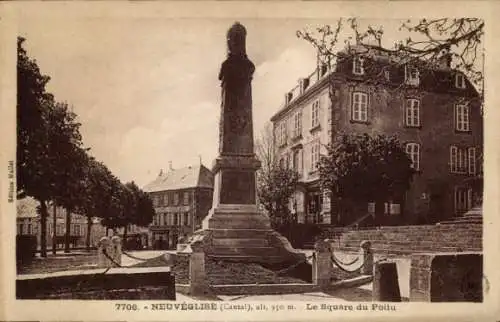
[[162, 219], [412, 112], [156, 200], [315, 114], [413, 151], [460, 81], [76, 230], [357, 66], [359, 107], [60, 229], [176, 222], [458, 160], [176, 198], [186, 198], [314, 156], [296, 160], [472, 161], [186, 218], [463, 199], [462, 117], [30, 229], [165, 199], [297, 124], [281, 133], [412, 76]]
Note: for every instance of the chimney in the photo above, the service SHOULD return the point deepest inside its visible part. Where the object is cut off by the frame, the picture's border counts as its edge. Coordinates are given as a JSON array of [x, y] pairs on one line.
[[170, 166], [288, 97], [161, 173], [445, 58]]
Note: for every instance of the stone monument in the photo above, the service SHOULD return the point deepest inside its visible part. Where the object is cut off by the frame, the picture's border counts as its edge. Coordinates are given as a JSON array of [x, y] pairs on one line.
[[235, 229]]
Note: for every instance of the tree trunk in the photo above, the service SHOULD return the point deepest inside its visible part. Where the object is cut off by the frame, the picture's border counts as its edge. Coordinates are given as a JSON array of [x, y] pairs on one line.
[[54, 229], [89, 230], [67, 236], [125, 229], [379, 211], [43, 231]]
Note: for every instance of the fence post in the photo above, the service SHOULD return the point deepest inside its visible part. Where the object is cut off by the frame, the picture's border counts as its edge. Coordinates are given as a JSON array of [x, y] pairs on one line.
[[116, 250], [367, 268], [322, 263], [103, 246], [197, 275], [386, 283]]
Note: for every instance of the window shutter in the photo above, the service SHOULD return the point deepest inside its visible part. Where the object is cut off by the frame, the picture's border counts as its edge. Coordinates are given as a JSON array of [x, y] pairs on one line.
[[416, 111], [472, 161], [466, 117], [408, 112], [453, 158]]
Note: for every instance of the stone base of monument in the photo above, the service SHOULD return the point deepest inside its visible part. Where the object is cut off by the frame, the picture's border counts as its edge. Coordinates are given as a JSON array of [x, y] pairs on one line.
[[242, 233]]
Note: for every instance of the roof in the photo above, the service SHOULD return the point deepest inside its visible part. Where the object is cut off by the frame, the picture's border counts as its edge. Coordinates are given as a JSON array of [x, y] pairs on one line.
[[434, 77], [189, 177]]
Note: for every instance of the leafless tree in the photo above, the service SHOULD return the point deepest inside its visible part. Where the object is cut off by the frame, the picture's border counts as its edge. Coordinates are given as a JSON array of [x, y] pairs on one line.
[[428, 42]]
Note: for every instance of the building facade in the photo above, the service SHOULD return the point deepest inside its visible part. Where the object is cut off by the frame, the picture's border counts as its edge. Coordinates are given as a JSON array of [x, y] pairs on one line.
[[28, 223], [435, 112], [181, 198]]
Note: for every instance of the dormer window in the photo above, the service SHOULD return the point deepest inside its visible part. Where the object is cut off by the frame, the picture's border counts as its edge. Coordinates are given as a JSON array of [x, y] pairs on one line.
[[460, 81], [358, 66], [323, 70], [412, 76], [304, 83]]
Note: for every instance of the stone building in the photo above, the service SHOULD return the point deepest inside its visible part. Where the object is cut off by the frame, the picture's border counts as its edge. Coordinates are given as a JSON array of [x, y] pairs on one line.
[[181, 198], [28, 223], [434, 111]]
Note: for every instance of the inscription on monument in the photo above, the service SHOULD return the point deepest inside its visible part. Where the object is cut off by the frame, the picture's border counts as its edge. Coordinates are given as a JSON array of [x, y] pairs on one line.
[[238, 187]]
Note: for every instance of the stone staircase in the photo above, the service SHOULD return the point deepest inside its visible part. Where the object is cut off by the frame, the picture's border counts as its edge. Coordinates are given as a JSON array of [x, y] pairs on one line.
[[473, 216]]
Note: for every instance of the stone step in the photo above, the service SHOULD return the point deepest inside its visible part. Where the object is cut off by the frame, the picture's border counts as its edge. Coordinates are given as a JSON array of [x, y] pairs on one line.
[[238, 223], [463, 221], [249, 258], [240, 242], [252, 251], [240, 233]]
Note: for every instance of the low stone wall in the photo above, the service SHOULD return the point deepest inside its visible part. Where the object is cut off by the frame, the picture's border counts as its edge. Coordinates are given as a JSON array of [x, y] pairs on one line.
[[181, 268], [446, 278], [405, 240], [156, 282]]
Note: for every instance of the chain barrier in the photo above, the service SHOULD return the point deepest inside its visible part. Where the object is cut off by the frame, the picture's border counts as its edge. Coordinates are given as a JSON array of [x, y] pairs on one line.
[[344, 263], [302, 261], [334, 262], [134, 257]]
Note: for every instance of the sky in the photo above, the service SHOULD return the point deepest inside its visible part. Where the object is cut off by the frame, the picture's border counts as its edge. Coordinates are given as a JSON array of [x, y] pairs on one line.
[[146, 89]]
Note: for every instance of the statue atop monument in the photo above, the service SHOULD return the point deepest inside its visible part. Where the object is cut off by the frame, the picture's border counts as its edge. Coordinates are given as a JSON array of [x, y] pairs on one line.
[[236, 132], [236, 40]]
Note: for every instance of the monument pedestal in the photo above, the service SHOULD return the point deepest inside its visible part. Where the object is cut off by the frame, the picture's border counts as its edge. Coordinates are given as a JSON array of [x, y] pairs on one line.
[[235, 228], [240, 231]]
